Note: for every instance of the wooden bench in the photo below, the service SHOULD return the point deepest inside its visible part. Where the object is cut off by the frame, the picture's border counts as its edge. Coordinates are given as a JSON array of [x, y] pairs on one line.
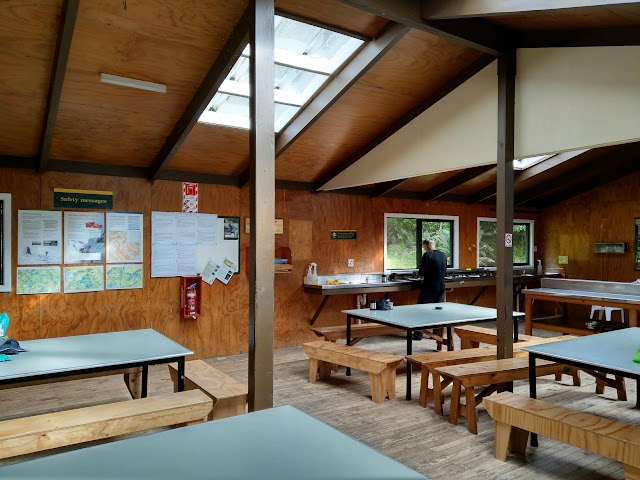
[[71, 427], [229, 395], [472, 336], [517, 415], [491, 373], [429, 362], [380, 366], [365, 330]]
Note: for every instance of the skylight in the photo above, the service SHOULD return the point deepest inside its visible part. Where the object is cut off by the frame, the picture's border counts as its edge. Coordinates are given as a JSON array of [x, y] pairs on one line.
[[305, 57], [525, 163]]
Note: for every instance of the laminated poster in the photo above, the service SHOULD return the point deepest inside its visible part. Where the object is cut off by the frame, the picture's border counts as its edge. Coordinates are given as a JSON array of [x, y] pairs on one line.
[[83, 237], [39, 237]]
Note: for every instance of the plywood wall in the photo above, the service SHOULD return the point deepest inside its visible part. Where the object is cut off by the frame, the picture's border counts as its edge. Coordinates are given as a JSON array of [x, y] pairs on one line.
[[222, 330]]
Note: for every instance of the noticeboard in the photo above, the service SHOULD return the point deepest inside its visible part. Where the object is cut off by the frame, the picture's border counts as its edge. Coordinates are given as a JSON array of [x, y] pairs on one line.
[[637, 250]]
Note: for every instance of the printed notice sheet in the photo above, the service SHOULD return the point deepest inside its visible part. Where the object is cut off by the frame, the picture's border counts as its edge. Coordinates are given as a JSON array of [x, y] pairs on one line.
[[175, 238], [83, 279], [83, 237], [222, 271], [124, 237], [39, 237], [37, 280]]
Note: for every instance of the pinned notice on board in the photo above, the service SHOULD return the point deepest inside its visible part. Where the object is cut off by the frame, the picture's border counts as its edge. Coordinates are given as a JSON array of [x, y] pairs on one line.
[[189, 197], [222, 271]]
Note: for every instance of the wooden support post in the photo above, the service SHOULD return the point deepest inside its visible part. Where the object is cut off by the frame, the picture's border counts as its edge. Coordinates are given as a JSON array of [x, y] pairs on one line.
[[262, 204], [504, 203]]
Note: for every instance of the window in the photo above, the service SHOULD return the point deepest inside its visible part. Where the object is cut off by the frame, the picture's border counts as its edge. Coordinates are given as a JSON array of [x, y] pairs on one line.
[[305, 57], [522, 242], [403, 236]]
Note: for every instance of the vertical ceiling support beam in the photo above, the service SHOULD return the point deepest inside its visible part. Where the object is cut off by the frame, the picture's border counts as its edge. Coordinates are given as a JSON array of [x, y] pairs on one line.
[[504, 202], [262, 204], [221, 67], [63, 45]]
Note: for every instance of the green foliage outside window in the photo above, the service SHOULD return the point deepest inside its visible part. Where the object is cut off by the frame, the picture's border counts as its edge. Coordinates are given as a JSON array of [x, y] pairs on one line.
[[404, 241], [487, 244]]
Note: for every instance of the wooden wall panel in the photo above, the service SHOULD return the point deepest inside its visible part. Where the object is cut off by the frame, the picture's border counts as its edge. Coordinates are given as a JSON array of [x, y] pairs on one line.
[[28, 32], [174, 43], [222, 330]]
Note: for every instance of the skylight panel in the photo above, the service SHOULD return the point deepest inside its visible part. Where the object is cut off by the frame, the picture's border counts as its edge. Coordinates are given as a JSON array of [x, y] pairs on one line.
[[525, 163], [304, 56]]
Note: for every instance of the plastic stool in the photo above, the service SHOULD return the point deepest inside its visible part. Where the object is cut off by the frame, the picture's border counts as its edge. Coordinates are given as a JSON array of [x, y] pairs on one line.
[[607, 312]]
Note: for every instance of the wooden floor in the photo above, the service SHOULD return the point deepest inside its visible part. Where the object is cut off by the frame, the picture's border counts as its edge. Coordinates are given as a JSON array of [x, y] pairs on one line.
[[402, 430]]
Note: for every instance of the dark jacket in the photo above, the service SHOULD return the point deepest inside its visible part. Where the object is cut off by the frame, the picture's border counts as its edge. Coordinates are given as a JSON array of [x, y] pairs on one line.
[[433, 269]]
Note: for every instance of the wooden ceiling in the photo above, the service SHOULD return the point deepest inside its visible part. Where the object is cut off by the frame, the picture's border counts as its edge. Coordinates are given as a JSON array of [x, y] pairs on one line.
[[106, 129]]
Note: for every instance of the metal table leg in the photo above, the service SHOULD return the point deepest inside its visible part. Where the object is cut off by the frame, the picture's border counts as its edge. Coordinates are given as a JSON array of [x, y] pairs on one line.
[[515, 329], [449, 339], [145, 379], [181, 363], [348, 339], [532, 390], [409, 351]]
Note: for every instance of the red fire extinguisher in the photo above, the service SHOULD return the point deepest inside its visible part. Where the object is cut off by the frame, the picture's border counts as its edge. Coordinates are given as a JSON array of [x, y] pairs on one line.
[[192, 298]]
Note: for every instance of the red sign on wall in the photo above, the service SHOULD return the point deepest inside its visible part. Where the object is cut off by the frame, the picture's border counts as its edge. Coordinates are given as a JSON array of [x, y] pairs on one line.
[[189, 197]]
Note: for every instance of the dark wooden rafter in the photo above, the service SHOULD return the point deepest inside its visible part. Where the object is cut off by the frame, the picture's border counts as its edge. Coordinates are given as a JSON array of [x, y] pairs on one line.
[[455, 181], [598, 171], [217, 73], [435, 97], [455, 9], [474, 33], [547, 165], [384, 188], [338, 86], [63, 46], [590, 37]]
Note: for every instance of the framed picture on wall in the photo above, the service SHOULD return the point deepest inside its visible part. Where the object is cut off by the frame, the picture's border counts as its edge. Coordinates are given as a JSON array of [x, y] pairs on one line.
[[5, 242], [637, 249]]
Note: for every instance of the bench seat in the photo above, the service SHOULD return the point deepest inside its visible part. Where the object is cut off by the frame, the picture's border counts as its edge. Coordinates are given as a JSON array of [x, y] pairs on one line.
[[472, 336], [21, 436], [228, 394], [381, 367], [365, 330], [517, 415], [490, 373]]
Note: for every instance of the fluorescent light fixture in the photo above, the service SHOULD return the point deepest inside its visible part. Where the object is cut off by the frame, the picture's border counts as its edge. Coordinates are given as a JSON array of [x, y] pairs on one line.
[[133, 83]]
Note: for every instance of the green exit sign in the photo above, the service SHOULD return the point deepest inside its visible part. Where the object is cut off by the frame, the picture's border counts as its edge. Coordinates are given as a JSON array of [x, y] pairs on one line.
[[563, 260], [344, 234]]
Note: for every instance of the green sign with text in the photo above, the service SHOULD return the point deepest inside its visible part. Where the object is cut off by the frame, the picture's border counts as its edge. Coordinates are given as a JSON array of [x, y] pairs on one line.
[[92, 199], [344, 234]]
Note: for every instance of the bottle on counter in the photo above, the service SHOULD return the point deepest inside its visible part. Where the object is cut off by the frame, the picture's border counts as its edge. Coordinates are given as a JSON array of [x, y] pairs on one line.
[[539, 267]]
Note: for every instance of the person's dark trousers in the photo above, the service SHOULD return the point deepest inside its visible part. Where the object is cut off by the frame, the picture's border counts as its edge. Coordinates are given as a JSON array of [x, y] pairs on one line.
[[428, 297]]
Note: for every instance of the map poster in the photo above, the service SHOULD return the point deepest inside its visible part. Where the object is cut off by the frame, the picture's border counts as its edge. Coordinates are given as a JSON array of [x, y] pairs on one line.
[[124, 277], [83, 237], [37, 280], [124, 237], [39, 237], [83, 279]]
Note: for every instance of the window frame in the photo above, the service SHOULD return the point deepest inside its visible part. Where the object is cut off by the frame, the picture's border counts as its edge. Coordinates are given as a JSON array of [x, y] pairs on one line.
[[516, 221], [434, 218]]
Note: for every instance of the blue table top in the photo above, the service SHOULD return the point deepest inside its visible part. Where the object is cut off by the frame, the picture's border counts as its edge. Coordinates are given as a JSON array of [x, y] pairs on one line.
[[611, 350], [429, 315], [84, 352], [280, 443]]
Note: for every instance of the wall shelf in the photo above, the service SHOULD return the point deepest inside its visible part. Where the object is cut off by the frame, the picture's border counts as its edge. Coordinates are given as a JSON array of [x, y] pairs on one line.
[[610, 247]]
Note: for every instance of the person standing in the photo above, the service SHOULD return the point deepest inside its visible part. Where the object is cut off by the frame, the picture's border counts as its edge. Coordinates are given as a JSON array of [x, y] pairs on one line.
[[433, 269]]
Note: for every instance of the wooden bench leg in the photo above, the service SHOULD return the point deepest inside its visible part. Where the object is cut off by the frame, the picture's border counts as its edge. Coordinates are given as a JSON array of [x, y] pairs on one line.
[[313, 370], [133, 381], [439, 384], [576, 377], [631, 473], [465, 343], [621, 388], [229, 407], [455, 402], [599, 386], [472, 413], [424, 387], [503, 431], [378, 386], [324, 370], [390, 373]]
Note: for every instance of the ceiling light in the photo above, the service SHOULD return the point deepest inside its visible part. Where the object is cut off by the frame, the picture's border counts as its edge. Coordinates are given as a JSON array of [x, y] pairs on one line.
[[133, 83]]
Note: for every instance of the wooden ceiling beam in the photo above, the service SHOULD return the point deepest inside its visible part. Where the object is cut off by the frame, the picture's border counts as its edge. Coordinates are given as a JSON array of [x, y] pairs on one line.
[[225, 61], [455, 9], [455, 181], [435, 97], [384, 188], [590, 37], [63, 46], [473, 33]]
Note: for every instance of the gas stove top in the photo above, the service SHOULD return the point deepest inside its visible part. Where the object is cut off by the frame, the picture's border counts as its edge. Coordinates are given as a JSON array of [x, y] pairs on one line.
[[461, 275]]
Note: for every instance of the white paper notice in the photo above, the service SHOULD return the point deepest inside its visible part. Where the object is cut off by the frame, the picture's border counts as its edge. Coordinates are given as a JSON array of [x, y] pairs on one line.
[[163, 261], [39, 237], [186, 260], [207, 229], [186, 228], [124, 237], [207, 274], [83, 237], [224, 271], [163, 227]]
